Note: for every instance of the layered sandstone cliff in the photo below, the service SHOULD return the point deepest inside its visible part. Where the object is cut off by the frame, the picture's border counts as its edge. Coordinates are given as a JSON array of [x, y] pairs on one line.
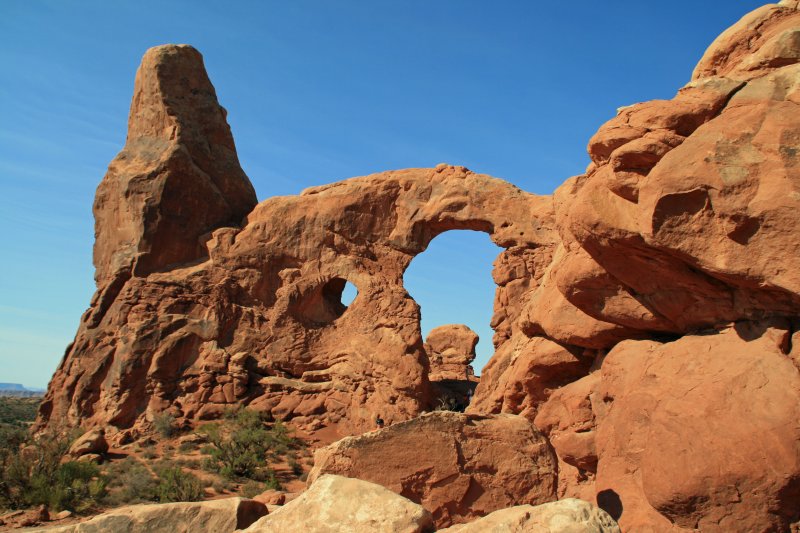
[[647, 315]]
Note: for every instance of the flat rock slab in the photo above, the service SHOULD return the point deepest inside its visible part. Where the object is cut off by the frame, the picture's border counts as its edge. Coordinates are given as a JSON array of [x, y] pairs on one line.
[[564, 516], [216, 516]]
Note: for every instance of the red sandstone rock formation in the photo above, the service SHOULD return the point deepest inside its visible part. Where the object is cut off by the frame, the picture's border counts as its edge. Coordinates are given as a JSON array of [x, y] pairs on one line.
[[252, 315], [458, 467], [450, 350], [647, 317]]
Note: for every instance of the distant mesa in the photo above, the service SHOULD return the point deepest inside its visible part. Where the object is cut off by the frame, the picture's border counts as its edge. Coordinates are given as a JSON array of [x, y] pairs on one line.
[[16, 389]]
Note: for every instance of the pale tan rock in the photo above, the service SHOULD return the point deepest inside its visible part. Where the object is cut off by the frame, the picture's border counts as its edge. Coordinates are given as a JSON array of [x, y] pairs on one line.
[[95, 458], [335, 504], [564, 516], [457, 466], [221, 516]]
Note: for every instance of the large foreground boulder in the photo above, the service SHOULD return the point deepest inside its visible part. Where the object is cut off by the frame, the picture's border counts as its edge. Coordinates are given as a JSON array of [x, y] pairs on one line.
[[215, 516], [702, 433], [564, 516], [336, 504], [457, 466]]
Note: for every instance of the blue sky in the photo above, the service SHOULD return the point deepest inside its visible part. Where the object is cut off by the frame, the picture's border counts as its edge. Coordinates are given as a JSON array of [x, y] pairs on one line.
[[316, 91]]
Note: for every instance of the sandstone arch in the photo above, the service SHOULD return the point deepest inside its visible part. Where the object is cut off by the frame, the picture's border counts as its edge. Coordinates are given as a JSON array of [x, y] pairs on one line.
[[256, 318], [194, 310]]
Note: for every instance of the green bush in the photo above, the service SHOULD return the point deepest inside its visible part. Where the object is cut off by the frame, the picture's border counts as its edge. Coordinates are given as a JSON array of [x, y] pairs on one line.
[[252, 489], [272, 481], [242, 446], [297, 468], [32, 475], [18, 411], [135, 482], [165, 425], [175, 485]]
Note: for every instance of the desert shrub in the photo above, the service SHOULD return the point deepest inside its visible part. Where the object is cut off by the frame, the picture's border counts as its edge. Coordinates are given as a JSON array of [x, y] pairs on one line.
[[448, 402], [297, 468], [220, 485], [271, 481], [136, 483], [192, 464], [241, 446], [11, 438], [33, 474], [18, 411], [165, 425], [185, 447], [175, 485], [252, 489]]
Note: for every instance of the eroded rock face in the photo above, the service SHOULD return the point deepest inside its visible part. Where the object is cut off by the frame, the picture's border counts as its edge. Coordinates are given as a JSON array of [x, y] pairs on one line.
[[716, 448], [457, 466], [178, 176]]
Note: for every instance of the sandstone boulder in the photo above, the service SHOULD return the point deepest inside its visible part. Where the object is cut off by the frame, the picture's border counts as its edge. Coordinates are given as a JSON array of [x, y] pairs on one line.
[[334, 504], [92, 442], [563, 516], [690, 204], [701, 433], [219, 516], [457, 466]]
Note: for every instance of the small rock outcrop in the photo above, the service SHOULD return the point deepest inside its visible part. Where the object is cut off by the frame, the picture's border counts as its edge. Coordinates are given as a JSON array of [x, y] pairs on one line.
[[335, 504], [451, 350], [92, 442], [220, 516], [457, 466], [564, 516]]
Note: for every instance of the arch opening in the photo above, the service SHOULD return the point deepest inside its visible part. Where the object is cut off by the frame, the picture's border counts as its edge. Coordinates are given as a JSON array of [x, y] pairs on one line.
[[453, 285], [325, 303]]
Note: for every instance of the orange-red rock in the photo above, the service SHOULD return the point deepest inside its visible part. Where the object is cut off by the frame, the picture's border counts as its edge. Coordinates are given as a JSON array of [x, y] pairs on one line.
[[252, 315], [450, 350], [647, 315], [457, 466], [702, 432]]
